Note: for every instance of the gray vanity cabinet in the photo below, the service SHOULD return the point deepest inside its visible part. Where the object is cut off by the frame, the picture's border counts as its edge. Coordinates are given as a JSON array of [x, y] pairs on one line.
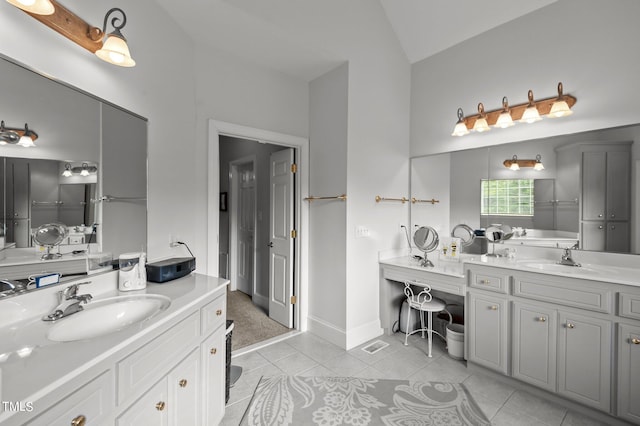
[[629, 372], [488, 331], [584, 359], [534, 345]]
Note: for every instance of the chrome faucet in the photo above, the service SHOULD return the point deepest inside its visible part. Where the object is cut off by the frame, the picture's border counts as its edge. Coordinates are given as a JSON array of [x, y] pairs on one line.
[[567, 259], [69, 302], [14, 287]]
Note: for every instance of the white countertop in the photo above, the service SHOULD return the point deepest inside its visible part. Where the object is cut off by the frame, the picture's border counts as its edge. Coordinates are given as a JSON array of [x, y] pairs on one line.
[[590, 271], [45, 365]]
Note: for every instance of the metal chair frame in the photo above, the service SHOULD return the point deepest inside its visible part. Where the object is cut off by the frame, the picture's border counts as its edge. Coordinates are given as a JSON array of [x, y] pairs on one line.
[[421, 302]]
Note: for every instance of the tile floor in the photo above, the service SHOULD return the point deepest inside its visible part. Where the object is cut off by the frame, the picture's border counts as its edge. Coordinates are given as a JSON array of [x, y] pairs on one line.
[[308, 355]]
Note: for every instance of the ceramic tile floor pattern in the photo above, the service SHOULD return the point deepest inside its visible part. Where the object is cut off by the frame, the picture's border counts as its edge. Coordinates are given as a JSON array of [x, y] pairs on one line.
[[308, 355]]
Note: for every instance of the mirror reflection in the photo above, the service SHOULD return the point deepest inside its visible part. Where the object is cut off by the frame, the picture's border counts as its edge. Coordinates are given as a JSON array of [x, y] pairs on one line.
[[567, 191]]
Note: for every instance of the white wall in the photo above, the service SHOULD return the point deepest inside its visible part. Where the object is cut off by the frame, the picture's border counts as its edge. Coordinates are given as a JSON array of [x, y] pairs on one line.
[[586, 44], [177, 86], [328, 119]]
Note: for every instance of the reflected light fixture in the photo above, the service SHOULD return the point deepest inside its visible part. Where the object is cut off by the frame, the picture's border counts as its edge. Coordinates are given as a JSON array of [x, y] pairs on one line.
[[15, 136], [38, 7], [531, 114], [514, 163], [461, 128], [85, 170], [67, 170], [110, 47], [481, 124], [508, 115], [560, 107], [504, 119]]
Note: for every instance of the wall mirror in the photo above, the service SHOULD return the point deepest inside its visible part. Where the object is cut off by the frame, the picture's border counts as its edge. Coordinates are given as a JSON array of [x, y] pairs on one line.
[[584, 195], [87, 169]]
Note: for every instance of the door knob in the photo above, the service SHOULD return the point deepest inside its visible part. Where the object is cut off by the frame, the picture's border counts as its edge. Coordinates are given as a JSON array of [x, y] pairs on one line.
[[270, 245]]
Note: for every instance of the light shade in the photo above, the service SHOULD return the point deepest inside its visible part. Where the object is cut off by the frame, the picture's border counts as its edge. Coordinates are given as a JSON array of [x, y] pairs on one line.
[[38, 7], [531, 114], [538, 166], [504, 119], [116, 51], [560, 107], [67, 170], [481, 124], [514, 163], [461, 126], [85, 170], [26, 142]]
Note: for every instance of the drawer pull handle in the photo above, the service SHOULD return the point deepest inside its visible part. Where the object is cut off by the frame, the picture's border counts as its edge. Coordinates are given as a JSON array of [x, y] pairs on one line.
[[79, 421], [160, 406], [485, 282], [493, 308], [213, 351], [183, 383], [635, 341], [569, 325], [542, 319], [219, 312]]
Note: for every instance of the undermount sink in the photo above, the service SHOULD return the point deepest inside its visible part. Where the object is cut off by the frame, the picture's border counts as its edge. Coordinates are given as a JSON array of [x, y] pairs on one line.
[[564, 269], [107, 316]]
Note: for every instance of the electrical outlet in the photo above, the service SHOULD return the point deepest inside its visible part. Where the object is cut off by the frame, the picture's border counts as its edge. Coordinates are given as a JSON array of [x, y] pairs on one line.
[[173, 241]]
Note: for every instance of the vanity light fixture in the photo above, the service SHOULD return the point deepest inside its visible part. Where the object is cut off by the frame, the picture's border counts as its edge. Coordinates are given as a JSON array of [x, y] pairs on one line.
[[515, 164], [481, 124], [528, 112], [67, 170], [110, 47], [38, 7], [85, 170], [15, 136]]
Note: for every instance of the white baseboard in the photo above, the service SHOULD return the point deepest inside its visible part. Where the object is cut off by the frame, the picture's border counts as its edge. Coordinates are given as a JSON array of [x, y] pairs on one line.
[[260, 300], [344, 339], [364, 333], [327, 331]]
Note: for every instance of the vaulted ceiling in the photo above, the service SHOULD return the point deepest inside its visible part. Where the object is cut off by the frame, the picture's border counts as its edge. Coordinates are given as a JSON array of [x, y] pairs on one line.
[[273, 33]]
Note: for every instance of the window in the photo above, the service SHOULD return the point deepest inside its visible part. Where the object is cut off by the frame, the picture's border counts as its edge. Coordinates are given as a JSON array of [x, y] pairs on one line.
[[507, 197]]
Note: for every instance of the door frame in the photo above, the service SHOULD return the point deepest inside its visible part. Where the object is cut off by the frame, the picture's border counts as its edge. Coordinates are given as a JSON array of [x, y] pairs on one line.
[[301, 250], [233, 220]]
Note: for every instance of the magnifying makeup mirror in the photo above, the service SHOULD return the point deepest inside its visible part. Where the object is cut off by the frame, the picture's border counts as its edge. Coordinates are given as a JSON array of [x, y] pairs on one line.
[[426, 239], [494, 234], [50, 235], [465, 233]]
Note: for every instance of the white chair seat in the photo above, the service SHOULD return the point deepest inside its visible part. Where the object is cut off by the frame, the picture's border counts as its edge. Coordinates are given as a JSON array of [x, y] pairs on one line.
[[434, 305]]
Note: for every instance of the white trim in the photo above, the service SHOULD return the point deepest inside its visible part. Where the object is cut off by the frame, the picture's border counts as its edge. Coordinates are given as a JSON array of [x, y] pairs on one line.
[[327, 331], [364, 333], [217, 128]]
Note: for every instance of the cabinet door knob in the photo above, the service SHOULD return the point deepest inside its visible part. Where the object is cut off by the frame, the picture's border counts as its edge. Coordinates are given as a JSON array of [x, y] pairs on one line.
[[600, 227], [160, 406], [79, 421], [613, 215], [183, 383], [635, 341], [213, 351], [219, 312], [493, 308], [600, 215], [542, 319], [569, 325], [613, 227]]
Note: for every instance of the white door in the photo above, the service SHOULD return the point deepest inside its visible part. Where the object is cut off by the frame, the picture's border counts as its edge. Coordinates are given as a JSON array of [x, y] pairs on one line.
[[246, 218], [281, 239]]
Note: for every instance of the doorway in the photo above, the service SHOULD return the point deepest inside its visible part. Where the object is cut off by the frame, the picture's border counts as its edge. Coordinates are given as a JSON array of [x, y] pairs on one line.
[[257, 218]]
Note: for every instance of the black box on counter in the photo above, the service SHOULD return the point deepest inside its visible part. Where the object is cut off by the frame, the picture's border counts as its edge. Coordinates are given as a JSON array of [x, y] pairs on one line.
[[478, 246], [170, 269]]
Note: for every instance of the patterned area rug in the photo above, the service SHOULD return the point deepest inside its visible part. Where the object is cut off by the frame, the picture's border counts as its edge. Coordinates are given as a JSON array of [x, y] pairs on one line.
[[332, 401]]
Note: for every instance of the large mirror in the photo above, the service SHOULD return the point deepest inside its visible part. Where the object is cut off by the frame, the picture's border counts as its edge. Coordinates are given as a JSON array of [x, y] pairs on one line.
[[578, 190], [86, 170]]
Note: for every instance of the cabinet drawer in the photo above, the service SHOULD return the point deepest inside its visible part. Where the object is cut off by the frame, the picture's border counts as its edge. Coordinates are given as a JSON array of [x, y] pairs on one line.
[[564, 291], [93, 401], [213, 314], [145, 366], [629, 305], [489, 280]]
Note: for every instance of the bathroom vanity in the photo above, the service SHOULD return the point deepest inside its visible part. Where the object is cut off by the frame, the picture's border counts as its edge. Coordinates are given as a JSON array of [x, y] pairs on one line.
[[573, 332], [167, 369]]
